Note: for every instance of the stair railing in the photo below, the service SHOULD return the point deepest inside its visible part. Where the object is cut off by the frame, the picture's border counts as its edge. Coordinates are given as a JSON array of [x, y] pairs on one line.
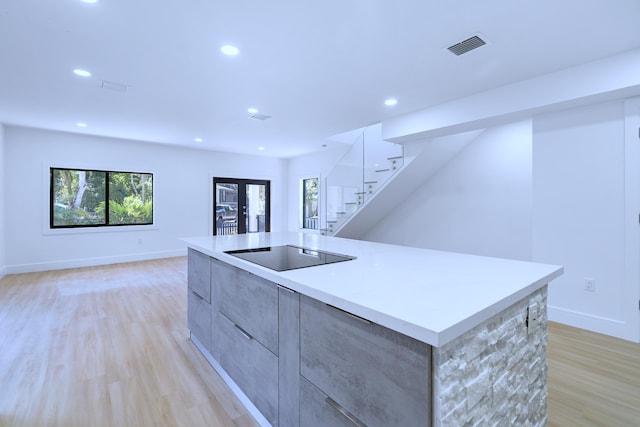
[[365, 167]]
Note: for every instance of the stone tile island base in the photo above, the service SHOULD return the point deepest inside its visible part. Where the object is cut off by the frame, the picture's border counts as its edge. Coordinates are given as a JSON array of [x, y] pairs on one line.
[[496, 373]]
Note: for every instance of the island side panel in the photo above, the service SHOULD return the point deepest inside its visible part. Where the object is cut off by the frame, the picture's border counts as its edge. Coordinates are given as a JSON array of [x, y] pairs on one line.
[[495, 373], [289, 358]]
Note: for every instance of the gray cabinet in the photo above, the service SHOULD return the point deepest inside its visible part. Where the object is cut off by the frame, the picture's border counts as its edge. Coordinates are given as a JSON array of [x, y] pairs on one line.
[[199, 318], [199, 274], [254, 338], [251, 366], [378, 376], [221, 273], [251, 302], [199, 297], [318, 410], [302, 362]]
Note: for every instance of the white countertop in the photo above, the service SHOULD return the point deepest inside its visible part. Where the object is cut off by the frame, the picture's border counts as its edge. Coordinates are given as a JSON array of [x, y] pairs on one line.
[[430, 295]]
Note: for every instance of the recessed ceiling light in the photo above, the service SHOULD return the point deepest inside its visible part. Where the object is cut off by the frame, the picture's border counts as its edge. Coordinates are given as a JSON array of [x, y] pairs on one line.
[[90, 1], [252, 110], [81, 73], [198, 139], [229, 50], [81, 125], [390, 102], [261, 148]]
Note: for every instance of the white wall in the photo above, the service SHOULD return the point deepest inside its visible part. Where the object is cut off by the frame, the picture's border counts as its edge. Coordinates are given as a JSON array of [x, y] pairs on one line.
[[3, 203], [478, 203], [578, 219], [316, 165], [182, 197], [557, 190]]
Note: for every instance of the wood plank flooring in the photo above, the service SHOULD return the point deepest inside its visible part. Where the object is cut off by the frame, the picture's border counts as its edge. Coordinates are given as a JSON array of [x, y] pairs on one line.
[[594, 379], [108, 346]]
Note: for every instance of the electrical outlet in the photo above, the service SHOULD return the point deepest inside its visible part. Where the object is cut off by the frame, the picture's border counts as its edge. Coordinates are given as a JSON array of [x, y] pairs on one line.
[[590, 285]]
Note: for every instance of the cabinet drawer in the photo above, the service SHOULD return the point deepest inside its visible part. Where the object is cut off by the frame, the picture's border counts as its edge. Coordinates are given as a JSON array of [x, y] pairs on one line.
[[251, 366], [251, 302], [199, 274], [199, 318], [376, 374], [318, 409]]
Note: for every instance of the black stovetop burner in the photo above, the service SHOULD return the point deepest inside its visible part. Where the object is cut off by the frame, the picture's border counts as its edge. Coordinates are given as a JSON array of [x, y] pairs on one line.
[[288, 257]]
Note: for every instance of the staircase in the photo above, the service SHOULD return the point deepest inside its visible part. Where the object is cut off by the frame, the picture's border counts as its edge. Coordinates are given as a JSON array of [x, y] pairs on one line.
[[376, 176], [362, 171]]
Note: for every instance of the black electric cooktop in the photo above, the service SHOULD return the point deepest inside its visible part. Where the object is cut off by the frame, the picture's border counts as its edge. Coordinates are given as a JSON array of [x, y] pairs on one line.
[[288, 257]]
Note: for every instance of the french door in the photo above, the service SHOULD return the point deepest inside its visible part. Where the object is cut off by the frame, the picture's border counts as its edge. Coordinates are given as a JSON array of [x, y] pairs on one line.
[[241, 206]]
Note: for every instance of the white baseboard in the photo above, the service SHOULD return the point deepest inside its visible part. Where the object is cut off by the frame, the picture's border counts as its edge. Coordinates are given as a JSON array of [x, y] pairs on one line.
[[91, 262], [3, 272], [602, 325]]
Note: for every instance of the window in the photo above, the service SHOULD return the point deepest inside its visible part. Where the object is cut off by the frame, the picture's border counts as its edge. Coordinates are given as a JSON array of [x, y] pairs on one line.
[[93, 198], [310, 203]]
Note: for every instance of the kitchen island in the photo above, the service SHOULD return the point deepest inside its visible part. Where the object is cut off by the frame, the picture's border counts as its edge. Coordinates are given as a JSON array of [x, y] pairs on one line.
[[396, 336]]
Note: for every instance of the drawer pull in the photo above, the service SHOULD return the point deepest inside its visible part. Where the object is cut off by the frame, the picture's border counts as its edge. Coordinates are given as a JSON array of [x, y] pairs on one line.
[[335, 405], [197, 294], [353, 316], [243, 332]]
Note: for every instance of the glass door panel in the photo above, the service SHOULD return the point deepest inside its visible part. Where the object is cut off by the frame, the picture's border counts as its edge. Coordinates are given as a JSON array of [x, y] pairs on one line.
[[226, 205], [255, 208]]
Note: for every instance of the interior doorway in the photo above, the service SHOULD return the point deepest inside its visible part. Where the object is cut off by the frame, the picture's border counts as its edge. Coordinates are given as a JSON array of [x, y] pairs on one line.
[[241, 206]]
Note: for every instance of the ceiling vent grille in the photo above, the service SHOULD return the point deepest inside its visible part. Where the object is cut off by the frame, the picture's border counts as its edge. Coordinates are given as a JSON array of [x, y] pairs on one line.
[[466, 45], [114, 86], [258, 116]]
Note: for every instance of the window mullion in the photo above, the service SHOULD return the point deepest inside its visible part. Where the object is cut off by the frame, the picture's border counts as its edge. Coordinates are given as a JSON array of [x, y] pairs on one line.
[[107, 179]]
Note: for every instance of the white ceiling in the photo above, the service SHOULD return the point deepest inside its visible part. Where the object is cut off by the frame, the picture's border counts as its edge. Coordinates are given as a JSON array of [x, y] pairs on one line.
[[318, 68]]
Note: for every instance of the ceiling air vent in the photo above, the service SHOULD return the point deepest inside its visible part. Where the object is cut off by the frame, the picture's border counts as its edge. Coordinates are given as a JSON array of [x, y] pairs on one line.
[[258, 116], [467, 45], [114, 86]]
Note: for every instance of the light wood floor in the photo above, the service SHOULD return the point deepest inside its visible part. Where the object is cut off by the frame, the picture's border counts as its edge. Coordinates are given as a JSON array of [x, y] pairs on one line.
[[594, 379], [108, 346]]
